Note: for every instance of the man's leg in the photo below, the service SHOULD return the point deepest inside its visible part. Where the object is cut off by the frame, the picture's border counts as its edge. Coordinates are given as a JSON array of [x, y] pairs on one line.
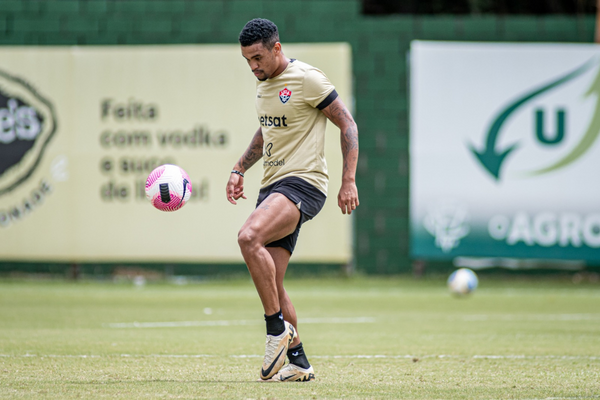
[[299, 368], [275, 218], [281, 257]]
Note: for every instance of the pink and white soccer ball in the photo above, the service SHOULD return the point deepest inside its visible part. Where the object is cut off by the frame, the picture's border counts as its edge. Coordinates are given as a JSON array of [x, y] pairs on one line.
[[168, 187]]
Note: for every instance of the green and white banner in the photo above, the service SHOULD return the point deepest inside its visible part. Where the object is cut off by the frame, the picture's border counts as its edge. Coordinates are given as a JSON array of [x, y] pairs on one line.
[[505, 156]]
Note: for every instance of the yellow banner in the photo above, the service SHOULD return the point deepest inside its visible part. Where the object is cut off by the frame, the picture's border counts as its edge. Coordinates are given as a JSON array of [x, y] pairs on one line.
[[81, 128]]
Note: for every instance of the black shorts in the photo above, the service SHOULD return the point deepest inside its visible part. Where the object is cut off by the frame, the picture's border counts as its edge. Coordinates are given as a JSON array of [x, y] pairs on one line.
[[305, 196]]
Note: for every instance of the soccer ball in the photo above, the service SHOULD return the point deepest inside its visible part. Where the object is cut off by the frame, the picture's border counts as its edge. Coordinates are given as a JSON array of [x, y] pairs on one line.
[[462, 281], [168, 187]]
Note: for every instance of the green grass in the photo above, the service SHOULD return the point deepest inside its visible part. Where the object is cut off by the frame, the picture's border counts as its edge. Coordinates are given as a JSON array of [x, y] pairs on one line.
[[515, 338]]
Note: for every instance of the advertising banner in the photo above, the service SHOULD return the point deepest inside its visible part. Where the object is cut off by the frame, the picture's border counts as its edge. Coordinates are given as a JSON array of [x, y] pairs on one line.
[[504, 150], [82, 127]]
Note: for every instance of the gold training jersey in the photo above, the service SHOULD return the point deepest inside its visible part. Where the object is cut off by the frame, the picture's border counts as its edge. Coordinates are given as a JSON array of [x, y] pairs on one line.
[[293, 126]]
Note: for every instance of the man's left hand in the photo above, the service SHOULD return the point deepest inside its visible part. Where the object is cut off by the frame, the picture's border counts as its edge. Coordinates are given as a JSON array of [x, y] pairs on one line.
[[348, 197]]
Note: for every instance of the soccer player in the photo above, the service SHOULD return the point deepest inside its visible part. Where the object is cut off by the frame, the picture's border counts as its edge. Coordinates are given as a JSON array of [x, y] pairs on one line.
[[293, 102]]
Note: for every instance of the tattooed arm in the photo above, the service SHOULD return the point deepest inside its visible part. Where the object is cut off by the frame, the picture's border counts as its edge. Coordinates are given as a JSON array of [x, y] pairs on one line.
[[341, 117], [254, 152]]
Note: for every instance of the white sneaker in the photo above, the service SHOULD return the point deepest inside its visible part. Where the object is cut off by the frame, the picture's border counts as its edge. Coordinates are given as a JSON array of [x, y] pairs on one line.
[[294, 373], [276, 350]]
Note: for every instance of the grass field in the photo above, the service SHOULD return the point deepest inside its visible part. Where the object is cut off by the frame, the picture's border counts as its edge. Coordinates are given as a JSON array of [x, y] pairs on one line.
[[515, 338]]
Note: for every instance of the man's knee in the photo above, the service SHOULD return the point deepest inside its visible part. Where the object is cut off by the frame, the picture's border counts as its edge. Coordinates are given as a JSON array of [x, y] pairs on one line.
[[248, 237]]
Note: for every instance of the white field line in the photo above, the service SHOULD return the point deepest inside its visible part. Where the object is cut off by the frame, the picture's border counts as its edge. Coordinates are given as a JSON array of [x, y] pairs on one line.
[[567, 398], [180, 324], [347, 356], [359, 320], [531, 317]]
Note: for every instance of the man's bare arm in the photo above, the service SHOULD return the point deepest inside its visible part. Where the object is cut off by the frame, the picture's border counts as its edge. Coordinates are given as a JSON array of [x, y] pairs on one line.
[[341, 117], [253, 153], [235, 185]]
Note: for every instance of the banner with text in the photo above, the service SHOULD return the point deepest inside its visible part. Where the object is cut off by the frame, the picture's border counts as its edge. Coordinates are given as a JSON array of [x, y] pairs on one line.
[[81, 128], [504, 150]]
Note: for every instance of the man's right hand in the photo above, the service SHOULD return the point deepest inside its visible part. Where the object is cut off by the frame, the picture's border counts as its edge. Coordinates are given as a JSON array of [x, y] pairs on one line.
[[235, 188]]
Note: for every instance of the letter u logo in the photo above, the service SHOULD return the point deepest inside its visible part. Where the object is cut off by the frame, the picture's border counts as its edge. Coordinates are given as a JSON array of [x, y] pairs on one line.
[[560, 128]]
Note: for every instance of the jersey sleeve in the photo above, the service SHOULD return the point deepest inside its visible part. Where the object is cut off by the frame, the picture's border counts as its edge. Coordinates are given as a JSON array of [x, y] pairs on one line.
[[318, 89]]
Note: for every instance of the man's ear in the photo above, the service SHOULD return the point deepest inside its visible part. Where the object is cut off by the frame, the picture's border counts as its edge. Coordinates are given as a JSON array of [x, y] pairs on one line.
[[277, 48]]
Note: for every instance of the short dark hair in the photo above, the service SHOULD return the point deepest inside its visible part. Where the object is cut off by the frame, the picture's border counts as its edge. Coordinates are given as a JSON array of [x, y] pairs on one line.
[[259, 30]]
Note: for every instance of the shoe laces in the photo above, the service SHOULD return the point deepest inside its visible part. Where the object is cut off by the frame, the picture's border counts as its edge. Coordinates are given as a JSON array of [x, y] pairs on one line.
[[270, 347]]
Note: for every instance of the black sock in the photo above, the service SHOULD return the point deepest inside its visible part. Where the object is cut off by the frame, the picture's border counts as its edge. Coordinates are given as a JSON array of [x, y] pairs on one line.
[[297, 356], [275, 325]]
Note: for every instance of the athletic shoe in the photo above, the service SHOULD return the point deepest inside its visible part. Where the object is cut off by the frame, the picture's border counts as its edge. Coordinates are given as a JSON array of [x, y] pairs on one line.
[[276, 350], [293, 373]]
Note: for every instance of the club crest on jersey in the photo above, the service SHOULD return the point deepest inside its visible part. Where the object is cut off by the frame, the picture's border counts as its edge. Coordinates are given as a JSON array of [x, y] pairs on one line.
[[285, 95]]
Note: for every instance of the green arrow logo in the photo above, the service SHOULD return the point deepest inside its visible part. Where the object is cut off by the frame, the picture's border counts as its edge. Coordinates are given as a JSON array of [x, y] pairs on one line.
[[492, 159], [590, 136]]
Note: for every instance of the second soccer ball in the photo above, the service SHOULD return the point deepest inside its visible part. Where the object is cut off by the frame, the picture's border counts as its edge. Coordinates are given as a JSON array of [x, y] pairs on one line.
[[462, 281]]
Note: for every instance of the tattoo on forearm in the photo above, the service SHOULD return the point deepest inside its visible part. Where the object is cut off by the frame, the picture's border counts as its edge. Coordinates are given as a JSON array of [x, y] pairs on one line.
[[349, 139], [253, 153], [340, 116], [251, 156]]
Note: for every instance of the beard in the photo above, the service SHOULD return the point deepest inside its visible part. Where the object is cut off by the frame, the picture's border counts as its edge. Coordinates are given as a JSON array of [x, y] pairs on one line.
[[264, 76]]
